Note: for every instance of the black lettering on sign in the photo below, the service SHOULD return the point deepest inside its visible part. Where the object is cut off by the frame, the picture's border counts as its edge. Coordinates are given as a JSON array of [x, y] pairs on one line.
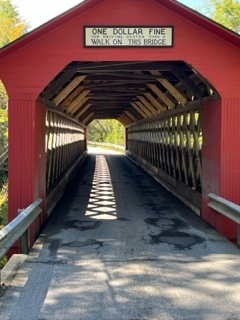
[[99, 31], [157, 31]]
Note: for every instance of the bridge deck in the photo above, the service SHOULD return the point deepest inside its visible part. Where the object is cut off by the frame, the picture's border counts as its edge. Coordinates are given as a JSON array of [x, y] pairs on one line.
[[119, 246]]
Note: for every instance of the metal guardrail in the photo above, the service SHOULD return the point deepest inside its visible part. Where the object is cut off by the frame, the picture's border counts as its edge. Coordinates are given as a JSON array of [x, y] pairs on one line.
[[105, 144], [225, 207], [18, 229]]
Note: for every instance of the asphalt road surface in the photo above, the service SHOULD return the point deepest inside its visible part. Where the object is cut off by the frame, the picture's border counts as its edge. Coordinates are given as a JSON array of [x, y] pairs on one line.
[[120, 247]]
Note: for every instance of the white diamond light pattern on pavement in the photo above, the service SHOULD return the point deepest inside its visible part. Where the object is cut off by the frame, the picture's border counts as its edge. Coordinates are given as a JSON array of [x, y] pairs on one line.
[[102, 203]]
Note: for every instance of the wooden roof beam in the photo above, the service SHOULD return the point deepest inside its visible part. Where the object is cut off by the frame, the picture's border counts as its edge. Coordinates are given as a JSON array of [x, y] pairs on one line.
[[131, 116], [55, 85], [76, 102], [188, 82], [139, 110], [174, 92], [144, 109], [148, 104], [84, 109], [154, 101], [71, 97], [88, 119], [69, 88], [169, 103], [126, 119]]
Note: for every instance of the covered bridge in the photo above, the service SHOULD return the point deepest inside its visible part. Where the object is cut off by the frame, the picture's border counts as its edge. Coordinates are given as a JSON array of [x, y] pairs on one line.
[[167, 73]]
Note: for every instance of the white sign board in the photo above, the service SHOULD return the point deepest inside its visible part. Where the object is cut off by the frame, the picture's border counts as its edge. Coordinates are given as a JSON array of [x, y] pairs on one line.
[[101, 36]]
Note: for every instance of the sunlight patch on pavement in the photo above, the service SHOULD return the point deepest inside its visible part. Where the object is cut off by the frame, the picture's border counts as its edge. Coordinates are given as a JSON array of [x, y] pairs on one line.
[[102, 204]]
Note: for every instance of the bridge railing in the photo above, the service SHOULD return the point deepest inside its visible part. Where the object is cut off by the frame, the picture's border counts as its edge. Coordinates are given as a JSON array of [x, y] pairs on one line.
[[106, 145], [17, 229]]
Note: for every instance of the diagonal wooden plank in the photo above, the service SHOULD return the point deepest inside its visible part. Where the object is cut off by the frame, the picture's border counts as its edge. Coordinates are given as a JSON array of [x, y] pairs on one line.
[[72, 97], [69, 88], [161, 95], [126, 119], [88, 118], [174, 92], [55, 85], [77, 100], [79, 105], [154, 101], [187, 81], [130, 115], [81, 112], [145, 109], [148, 104], [138, 109]]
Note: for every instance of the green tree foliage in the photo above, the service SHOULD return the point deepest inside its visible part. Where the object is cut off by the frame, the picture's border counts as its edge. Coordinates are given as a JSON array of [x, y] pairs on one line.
[[110, 131], [11, 24], [225, 12]]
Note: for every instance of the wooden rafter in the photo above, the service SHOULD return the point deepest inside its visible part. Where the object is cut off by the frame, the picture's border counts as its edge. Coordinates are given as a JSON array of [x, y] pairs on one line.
[[154, 101], [69, 88], [148, 104], [77, 100], [174, 92], [161, 95]]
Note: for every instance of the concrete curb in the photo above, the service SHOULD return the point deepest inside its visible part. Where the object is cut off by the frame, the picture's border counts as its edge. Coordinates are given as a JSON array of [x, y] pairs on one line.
[[9, 271]]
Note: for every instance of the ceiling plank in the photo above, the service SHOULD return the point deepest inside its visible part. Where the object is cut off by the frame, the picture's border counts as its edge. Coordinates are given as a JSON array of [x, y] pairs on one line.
[[148, 104], [174, 92], [145, 109], [77, 100], [130, 115], [69, 88], [154, 101], [81, 103], [188, 82], [126, 119], [88, 119], [72, 97], [53, 87], [81, 112], [138, 109], [170, 104]]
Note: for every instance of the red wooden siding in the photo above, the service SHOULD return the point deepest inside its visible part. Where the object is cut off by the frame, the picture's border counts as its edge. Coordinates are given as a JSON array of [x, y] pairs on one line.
[[30, 64]]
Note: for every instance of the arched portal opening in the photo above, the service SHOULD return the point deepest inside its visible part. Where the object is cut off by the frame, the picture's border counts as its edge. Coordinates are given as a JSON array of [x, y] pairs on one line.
[[160, 103]]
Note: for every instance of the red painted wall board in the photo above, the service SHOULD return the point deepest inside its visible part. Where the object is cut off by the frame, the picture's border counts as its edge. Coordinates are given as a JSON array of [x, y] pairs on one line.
[[221, 156], [26, 167], [211, 155], [52, 51]]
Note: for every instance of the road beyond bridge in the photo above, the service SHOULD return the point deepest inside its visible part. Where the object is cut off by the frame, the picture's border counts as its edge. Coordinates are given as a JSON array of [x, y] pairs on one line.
[[120, 247]]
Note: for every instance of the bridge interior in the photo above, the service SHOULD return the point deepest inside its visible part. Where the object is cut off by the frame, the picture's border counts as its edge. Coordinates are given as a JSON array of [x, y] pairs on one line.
[[159, 103], [126, 91]]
